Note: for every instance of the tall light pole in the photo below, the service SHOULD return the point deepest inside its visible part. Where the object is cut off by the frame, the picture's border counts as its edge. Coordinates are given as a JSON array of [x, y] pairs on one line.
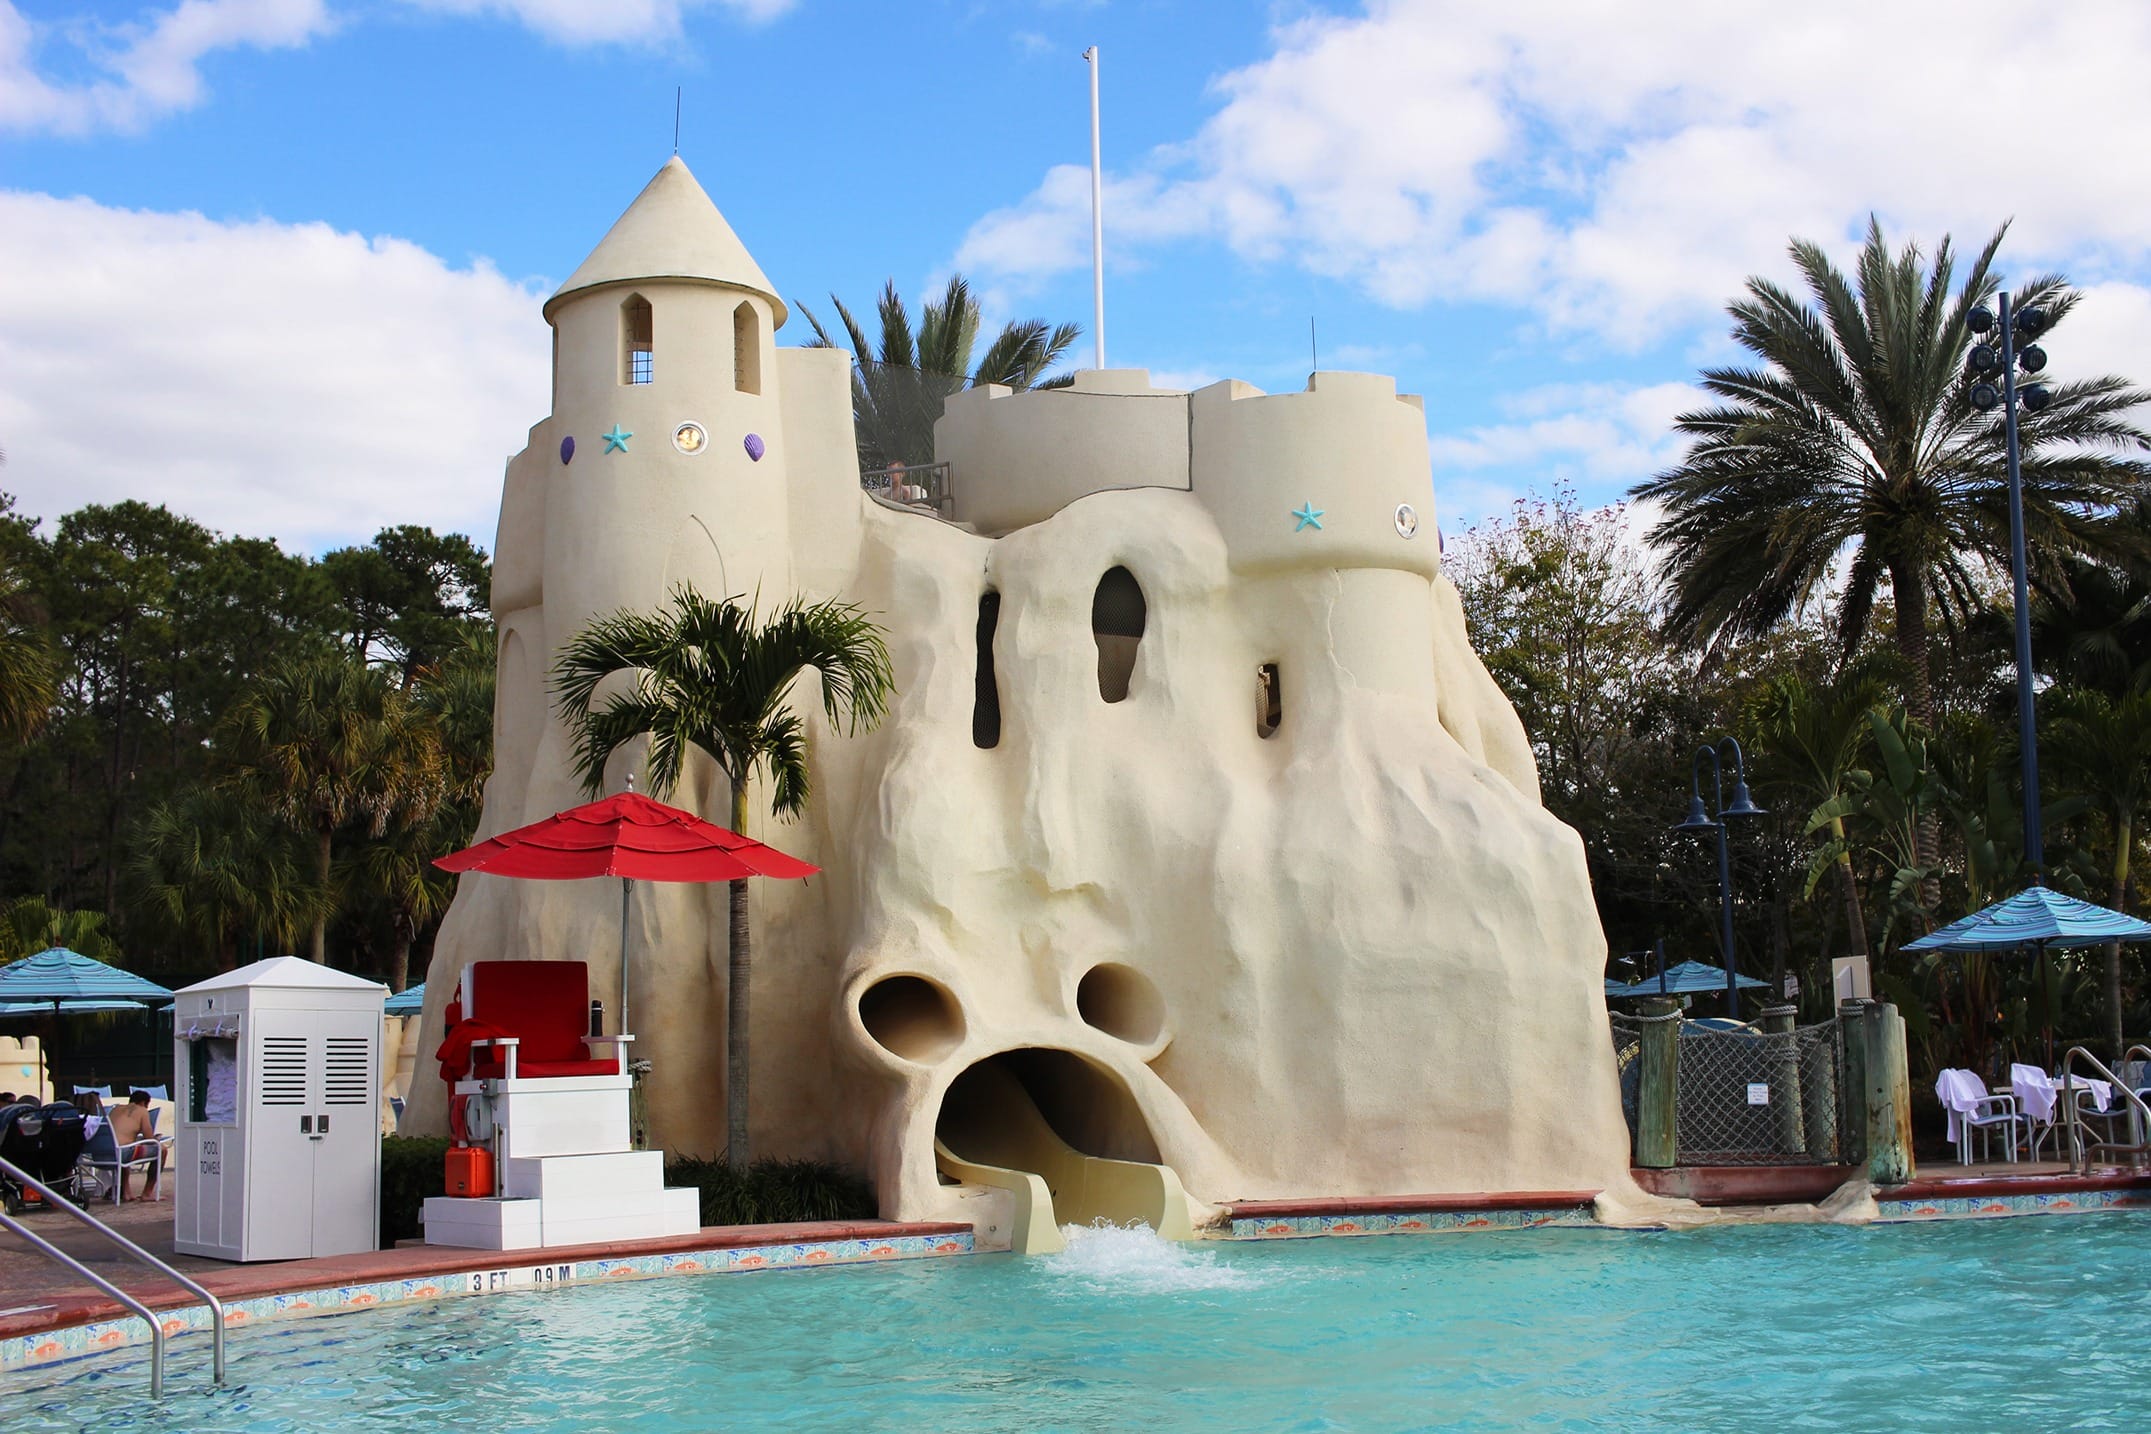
[[1097, 217], [1713, 821], [1983, 361]]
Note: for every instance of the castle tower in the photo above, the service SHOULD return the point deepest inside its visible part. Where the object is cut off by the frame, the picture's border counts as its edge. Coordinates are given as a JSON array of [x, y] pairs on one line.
[[665, 380], [663, 461]]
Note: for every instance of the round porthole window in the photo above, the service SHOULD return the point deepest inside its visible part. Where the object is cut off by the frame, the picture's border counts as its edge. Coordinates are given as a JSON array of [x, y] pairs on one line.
[[689, 438], [1407, 520]]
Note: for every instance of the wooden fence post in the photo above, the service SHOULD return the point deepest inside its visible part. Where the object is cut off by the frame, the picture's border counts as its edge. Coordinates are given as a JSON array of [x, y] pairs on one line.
[[1786, 1107], [1658, 1085], [1889, 1096], [1852, 1109]]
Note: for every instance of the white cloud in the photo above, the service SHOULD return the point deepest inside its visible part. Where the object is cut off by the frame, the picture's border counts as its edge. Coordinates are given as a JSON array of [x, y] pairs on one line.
[[269, 379], [1620, 169], [152, 67], [1596, 433], [1597, 438], [2109, 332], [586, 22]]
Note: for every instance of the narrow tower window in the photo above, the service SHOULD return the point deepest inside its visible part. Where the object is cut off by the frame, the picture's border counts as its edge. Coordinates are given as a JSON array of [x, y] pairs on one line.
[[1116, 622], [746, 350], [1269, 700], [637, 345], [986, 701]]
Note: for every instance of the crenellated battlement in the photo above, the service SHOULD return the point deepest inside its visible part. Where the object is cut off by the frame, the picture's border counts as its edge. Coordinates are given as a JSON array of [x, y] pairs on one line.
[[1316, 478]]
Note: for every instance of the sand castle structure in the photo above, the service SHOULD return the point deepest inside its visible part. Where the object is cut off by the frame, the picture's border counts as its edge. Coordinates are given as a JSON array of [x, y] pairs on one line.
[[1198, 858]]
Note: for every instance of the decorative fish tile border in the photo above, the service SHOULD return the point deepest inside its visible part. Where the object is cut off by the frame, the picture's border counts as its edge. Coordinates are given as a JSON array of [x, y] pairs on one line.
[[1988, 1207], [1402, 1222], [52, 1346]]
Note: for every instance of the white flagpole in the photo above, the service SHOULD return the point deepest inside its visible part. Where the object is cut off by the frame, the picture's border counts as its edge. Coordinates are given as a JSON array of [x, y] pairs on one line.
[[1097, 217]]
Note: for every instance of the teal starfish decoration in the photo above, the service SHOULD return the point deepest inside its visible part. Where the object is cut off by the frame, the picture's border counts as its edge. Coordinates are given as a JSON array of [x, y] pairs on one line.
[[1309, 515], [616, 442]]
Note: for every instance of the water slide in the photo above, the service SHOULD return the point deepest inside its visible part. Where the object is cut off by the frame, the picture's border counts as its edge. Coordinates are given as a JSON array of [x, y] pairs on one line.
[[994, 1135]]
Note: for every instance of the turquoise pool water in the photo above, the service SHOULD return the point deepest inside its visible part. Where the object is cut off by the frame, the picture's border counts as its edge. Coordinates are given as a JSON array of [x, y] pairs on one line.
[[2033, 1324]]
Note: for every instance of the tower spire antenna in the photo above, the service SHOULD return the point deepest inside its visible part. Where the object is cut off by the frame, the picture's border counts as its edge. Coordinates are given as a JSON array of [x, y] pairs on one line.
[[679, 92]]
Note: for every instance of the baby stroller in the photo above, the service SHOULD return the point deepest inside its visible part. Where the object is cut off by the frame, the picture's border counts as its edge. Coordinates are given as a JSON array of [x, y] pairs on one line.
[[44, 1141]]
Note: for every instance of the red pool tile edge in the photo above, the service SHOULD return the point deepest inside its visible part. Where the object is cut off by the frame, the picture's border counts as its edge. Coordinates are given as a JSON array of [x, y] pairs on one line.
[[1942, 1186], [1404, 1204], [243, 1282]]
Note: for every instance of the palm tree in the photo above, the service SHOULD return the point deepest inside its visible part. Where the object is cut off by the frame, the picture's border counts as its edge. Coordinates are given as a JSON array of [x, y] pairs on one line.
[[326, 741], [29, 678], [2093, 627], [900, 387], [30, 924], [396, 870], [211, 863], [1857, 439], [714, 676], [1815, 734], [2102, 749], [1853, 452]]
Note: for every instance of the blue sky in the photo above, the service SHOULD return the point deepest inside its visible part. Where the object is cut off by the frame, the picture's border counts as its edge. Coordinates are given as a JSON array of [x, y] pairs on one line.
[[277, 263]]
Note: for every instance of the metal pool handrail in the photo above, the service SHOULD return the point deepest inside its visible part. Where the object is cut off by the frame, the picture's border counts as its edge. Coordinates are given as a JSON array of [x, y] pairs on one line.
[[2139, 1113], [156, 1326]]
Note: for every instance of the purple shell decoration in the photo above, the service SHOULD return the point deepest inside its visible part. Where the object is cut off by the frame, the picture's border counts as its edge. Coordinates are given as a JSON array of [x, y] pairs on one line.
[[567, 448], [754, 446]]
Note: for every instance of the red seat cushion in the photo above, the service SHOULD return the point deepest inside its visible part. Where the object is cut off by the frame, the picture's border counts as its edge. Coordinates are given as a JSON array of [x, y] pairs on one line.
[[546, 1006], [540, 1070]]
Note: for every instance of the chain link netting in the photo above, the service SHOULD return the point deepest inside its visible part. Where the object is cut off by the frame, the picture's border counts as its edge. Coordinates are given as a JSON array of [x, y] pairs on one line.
[[1628, 1060], [1745, 1097], [1748, 1098]]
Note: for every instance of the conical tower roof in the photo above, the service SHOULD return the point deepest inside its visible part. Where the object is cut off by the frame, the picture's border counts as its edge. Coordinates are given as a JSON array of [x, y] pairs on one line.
[[671, 231]]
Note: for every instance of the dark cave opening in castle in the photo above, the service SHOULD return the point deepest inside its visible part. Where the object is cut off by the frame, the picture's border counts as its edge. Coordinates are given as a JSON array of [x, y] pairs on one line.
[[1058, 1115]]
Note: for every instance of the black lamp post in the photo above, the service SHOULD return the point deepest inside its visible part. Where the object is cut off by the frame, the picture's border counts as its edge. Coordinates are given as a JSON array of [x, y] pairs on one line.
[[1699, 820], [1983, 362]]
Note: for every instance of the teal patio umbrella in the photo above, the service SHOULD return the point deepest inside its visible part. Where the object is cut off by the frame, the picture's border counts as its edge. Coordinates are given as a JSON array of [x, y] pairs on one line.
[[407, 1002], [2035, 921], [60, 981], [1688, 978]]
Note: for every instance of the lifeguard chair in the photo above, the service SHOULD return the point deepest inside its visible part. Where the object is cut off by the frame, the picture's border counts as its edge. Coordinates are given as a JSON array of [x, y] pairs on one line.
[[539, 1111]]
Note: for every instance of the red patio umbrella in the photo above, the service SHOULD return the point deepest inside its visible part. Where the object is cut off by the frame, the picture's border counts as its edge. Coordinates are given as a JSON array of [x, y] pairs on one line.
[[631, 837]]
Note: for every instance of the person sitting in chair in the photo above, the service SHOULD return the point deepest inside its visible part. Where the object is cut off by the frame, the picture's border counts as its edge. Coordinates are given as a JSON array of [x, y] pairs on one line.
[[137, 1140]]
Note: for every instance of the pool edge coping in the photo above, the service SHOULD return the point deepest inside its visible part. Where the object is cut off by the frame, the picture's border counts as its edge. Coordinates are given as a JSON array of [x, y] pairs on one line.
[[43, 1339]]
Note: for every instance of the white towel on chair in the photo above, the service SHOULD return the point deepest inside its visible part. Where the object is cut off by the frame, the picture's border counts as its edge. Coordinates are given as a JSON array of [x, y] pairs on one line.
[[2102, 1094], [2035, 1091], [1960, 1093]]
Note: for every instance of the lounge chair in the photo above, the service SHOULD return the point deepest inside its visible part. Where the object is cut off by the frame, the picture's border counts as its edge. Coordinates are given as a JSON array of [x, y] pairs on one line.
[[100, 1154]]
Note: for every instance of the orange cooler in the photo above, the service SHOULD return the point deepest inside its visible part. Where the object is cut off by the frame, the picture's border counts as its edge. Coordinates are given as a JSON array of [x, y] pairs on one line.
[[470, 1171]]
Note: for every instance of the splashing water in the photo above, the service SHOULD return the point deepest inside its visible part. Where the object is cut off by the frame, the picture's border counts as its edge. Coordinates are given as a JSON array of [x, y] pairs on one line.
[[1135, 1259]]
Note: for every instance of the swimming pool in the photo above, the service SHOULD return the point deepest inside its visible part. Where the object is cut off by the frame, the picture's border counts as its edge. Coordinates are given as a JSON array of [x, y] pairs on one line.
[[2022, 1323]]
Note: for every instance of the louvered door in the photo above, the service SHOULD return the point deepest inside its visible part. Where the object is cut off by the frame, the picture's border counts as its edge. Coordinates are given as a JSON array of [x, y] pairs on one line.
[[280, 1137], [347, 1133]]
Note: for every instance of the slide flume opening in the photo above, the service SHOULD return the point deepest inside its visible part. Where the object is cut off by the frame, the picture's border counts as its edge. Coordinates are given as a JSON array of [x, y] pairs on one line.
[[1066, 1138]]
